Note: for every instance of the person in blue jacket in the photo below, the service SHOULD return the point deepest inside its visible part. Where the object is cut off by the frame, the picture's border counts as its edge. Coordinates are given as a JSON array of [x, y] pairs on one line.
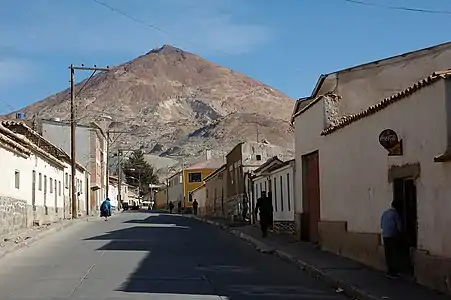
[[105, 209]]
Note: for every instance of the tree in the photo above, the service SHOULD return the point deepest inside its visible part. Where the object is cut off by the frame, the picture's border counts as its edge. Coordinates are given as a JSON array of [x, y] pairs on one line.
[[137, 170]]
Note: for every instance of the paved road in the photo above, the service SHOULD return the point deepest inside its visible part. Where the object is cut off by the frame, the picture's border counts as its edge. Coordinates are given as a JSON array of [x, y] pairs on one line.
[[151, 256]]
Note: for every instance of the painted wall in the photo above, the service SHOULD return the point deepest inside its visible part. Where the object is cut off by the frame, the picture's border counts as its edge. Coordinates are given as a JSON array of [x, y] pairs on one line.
[[366, 85], [175, 189], [200, 195], [190, 186], [308, 128], [354, 168], [283, 193]]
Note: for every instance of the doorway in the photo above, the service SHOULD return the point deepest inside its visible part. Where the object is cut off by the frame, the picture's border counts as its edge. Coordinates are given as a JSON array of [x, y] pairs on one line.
[[311, 197], [33, 193], [404, 191]]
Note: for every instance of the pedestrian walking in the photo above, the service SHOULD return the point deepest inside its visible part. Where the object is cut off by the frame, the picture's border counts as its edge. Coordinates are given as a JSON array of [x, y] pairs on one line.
[[105, 209], [264, 207], [171, 207], [179, 207], [391, 228], [195, 205]]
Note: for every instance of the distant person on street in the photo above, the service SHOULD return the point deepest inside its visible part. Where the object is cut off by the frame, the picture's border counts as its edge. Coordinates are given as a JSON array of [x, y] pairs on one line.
[[195, 205], [391, 234], [179, 207], [171, 207], [105, 209], [264, 206]]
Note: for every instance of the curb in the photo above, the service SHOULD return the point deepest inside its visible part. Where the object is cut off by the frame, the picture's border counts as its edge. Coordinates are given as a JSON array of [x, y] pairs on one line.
[[346, 288], [46, 232]]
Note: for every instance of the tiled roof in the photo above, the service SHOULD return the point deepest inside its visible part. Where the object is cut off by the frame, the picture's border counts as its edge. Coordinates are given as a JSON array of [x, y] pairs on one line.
[[387, 101], [277, 167], [34, 139], [4, 132], [26, 142], [267, 163]]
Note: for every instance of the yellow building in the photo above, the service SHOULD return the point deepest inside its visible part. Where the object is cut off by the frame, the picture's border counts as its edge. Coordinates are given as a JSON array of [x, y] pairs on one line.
[[183, 183]]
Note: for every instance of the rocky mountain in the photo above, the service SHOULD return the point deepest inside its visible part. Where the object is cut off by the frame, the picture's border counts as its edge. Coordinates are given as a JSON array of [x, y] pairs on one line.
[[177, 104]]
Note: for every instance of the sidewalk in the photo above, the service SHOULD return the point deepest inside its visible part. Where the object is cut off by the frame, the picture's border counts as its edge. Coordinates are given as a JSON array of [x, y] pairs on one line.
[[27, 236], [353, 278]]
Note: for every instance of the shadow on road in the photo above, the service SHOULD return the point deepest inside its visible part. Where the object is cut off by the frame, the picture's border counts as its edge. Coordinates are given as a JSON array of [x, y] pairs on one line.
[[170, 257], [169, 266]]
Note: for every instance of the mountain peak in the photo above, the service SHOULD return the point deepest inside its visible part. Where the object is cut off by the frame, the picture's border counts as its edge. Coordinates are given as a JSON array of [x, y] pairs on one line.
[[166, 49], [177, 99]]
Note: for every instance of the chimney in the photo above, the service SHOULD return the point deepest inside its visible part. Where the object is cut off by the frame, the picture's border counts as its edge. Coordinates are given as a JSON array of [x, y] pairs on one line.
[[208, 154]]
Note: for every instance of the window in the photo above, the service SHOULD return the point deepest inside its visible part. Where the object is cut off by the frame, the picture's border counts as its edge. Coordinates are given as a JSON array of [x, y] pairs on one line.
[[288, 192], [81, 186], [195, 177], [66, 181], [45, 184], [70, 185], [281, 193], [258, 157], [59, 188], [17, 179], [40, 182], [51, 185]]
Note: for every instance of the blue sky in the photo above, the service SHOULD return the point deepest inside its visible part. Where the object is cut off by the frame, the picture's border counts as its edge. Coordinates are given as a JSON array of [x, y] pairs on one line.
[[285, 43]]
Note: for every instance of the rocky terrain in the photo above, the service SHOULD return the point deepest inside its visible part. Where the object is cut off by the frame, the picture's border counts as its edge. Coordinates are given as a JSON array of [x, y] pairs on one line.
[[176, 104]]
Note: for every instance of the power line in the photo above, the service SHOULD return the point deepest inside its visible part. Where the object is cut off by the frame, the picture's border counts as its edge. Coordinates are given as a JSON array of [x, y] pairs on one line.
[[137, 20], [115, 10], [401, 8]]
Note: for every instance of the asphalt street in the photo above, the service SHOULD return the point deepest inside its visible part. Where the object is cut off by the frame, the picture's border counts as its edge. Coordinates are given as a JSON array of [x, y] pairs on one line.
[[140, 255]]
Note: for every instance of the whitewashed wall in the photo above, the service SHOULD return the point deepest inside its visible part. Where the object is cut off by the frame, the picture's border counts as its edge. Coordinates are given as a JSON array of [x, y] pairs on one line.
[[283, 193], [11, 162], [308, 128], [201, 196], [354, 168]]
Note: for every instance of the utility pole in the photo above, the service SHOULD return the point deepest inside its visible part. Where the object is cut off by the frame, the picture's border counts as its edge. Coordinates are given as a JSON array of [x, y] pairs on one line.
[[119, 177], [73, 127], [72, 142], [108, 145]]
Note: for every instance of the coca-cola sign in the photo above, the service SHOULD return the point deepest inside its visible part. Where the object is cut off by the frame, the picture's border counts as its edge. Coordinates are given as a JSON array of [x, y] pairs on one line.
[[388, 139]]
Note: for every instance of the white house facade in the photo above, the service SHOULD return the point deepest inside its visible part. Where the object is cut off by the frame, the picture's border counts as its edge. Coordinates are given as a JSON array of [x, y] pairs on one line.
[[276, 178], [200, 194], [398, 149]]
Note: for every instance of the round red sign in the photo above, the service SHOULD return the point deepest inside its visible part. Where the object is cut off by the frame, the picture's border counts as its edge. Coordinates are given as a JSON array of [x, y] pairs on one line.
[[388, 139]]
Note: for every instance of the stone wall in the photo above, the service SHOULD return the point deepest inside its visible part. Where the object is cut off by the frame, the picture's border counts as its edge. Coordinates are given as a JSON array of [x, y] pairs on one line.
[[13, 215], [285, 227]]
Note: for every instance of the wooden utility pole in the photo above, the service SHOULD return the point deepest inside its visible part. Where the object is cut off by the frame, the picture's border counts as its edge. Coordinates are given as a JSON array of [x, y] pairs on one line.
[[72, 142], [108, 145], [73, 127]]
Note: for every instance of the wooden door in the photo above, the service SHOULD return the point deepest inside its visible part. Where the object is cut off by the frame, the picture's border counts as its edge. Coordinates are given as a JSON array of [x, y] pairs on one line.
[[311, 196]]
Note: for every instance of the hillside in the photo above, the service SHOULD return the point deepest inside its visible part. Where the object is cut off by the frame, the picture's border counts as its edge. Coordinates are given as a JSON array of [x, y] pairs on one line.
[[175, 103]]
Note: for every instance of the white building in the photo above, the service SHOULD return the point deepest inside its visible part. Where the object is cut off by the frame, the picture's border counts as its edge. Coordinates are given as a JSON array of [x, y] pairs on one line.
[[40, 177], [200, 195], [348, 178], [275, 177]]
